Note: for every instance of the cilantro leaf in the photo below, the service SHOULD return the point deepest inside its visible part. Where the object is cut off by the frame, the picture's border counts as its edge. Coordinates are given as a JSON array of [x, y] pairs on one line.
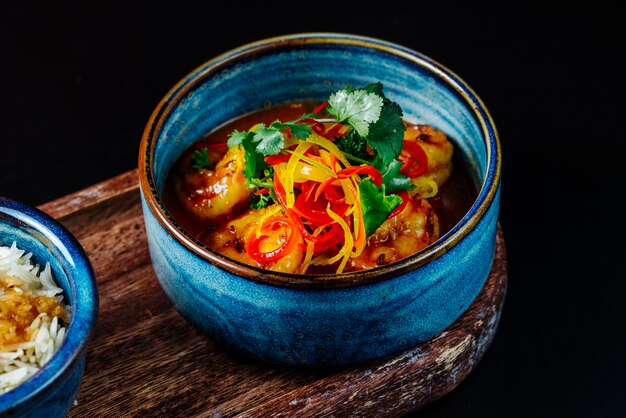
[[270, 139], [235, 138], [259, 201], [353, 144], [263, 180], [200, 159], [358, 108], [376, 205], [298, 129], [254, 162], [386, 134], [393, 180]]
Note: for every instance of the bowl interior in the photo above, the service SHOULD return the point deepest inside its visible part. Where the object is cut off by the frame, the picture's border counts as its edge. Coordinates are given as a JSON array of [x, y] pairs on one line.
[[278, 72]]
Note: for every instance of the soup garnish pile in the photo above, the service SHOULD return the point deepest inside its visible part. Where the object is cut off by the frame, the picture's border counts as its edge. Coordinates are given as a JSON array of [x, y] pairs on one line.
[[344, 185]]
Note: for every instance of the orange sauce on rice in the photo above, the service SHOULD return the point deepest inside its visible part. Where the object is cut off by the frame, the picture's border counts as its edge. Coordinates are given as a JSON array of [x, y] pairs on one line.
[[19, 309]]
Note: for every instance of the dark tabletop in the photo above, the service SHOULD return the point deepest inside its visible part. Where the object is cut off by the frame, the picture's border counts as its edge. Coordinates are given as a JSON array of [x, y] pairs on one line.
[[78, 86]]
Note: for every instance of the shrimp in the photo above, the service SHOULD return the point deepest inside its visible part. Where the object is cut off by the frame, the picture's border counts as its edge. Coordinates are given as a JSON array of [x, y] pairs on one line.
[[416, 227], [209, 194], [230, 239], [438, 149]]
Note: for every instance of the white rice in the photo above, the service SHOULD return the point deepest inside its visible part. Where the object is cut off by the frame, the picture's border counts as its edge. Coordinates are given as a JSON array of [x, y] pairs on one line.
[[20, 361]]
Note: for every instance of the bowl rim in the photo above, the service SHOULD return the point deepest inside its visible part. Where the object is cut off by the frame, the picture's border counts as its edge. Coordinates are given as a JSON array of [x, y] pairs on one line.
[[85, 306], [474, 104]]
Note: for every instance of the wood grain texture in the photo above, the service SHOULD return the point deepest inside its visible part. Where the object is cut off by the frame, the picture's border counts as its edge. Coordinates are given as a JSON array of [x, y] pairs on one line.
[[146, 361]]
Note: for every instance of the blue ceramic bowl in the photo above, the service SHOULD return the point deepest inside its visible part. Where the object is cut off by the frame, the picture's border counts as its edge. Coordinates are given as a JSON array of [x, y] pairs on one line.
[[300, 319], [52, 390]]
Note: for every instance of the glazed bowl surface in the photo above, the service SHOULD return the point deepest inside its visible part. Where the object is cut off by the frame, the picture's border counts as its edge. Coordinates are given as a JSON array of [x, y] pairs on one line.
[[310, 320], [52, 390]]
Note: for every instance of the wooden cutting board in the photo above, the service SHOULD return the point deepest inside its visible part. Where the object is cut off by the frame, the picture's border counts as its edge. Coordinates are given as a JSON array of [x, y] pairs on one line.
[[145, 360]]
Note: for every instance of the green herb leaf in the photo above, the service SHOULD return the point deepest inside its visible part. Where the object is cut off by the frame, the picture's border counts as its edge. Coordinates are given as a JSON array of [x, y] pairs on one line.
[[260, 201], [376, 205], [386, 134], [353, 144], [270, 139], [301, 130], [254, 162], [358, 108], [297, 129], [393, 180], [200, 159], [235, 138]]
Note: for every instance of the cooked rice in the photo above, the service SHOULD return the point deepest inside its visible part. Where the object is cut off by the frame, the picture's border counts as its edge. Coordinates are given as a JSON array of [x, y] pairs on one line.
[[20, 361]]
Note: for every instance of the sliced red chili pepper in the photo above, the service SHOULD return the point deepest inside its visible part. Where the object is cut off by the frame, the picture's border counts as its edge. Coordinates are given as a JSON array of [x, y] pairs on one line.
[[321, 107], [323, 185], [262, 257], [276, 159], [333, 195], [370, 170], [318, 128], [328, 238], [414, 158], [308, 190], [405, 199], [312, 210]]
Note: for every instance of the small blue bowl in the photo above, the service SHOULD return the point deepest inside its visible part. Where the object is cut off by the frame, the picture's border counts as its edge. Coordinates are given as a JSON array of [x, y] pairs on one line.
[[52, 390], [301, 319]]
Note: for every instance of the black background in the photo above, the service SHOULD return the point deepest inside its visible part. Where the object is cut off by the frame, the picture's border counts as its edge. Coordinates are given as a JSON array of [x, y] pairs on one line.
[[78, 85]]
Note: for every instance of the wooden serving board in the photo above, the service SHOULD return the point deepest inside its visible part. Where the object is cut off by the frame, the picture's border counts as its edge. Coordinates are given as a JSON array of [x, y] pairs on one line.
[[145, 360]]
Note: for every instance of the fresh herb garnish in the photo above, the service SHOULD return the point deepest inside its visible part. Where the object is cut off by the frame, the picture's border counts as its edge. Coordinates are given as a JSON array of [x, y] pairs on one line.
[[393, 180], [269, 140], [354, 145], [386, 134], [357, 108], [254, 162], [375, 131], [200, 159], [259, 201], [298, 128], [376, 205]]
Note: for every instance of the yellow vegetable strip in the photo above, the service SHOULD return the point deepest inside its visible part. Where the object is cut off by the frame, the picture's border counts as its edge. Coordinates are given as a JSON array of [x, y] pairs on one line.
[[291, 167], [346, 250], [308, 256], [345, 185], [325, 156], [290, 142], [422, 182], [359, 224], [269, 212], [314, 163], [310, 246], [305, 172], [325, 143]]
